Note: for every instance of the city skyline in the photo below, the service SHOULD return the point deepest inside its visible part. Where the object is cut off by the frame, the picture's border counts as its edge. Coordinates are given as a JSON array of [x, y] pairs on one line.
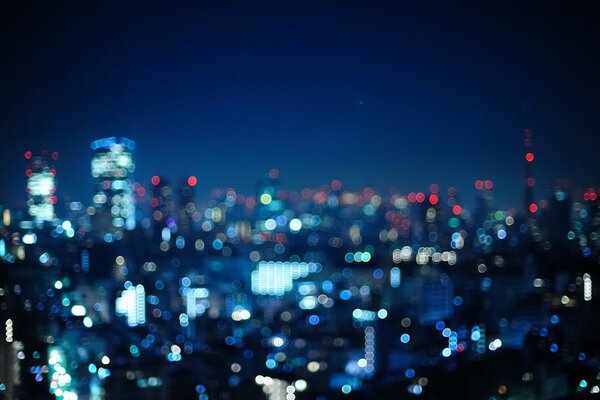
[[367, 95]]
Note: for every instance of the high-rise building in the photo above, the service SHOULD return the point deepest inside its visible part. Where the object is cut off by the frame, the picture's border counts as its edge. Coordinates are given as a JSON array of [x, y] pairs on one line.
[[186, 204], [112, 166], [41, 187], [530, 205]]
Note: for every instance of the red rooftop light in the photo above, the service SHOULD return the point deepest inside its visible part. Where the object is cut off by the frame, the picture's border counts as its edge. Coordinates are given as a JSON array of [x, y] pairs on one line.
[[529, 157]]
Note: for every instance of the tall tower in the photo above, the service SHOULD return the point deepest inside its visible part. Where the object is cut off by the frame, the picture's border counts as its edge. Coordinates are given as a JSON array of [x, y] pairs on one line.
[[530, 205], [41, 187], [112, 166], [186, 203]]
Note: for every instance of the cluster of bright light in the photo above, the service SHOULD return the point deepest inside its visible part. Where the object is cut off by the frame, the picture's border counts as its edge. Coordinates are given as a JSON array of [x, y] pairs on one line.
[[367, 315], [240, 314], [174, 354], [359, 256], [110, 167], [453, 345], [196, 300], [587, 287], [41, 188], [276, 278], [495, 344], [9, 330], [369, 350], [427, 254], [60, 380], [457, 241], [277, 389], [132, 304], [478, 335], [399, 255]]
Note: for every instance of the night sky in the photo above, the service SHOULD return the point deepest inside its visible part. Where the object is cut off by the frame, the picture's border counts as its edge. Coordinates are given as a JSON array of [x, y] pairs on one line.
[[389, 95]]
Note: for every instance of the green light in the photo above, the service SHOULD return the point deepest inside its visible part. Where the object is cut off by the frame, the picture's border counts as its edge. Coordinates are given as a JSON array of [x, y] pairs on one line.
[[453, 222], [571, 235]]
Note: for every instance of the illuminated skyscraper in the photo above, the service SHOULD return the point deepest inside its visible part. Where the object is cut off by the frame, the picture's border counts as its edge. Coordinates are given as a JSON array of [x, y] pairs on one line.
[[112, 165], [41, 187]]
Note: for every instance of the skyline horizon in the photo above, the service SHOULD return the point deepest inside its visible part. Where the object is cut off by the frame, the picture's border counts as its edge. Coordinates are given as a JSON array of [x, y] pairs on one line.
[[389, 190]]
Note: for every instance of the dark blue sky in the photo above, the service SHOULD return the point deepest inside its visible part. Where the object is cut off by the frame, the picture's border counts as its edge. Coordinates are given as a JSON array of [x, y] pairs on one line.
[[385, 94]]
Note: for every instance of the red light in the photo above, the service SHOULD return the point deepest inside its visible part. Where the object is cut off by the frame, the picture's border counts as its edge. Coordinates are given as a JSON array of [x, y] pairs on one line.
[[192, 181], [53, 172], [456, 210], [336, 184], [533, 207], [53, 199], [141, 191], [155, 180], [489, 184], [478, 184], [54, 155], [593, 196], [433, 199], [529, 157], [412, 197], [28, 155], [420, 197], [154, 202], [28, 172], [274, 173]]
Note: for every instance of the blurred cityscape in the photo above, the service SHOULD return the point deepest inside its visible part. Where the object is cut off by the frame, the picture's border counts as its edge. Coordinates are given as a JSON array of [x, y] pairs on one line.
[[140, 292]]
